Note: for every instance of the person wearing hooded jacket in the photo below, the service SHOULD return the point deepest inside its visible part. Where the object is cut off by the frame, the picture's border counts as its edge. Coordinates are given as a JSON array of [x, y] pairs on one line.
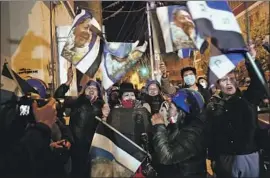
[[83, 122], [181, 147]]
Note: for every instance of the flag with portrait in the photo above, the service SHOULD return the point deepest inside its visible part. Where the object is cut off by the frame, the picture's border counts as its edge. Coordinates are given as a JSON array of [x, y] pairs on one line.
[[174, 24], [118, 59], [83, 46]]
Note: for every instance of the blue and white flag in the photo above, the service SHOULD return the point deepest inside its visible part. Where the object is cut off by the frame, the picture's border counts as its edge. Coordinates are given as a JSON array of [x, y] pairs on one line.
[[221, 64], [185, 53], [118, 59], [112, 155], [83, 46], [215, 19], [175, 25]]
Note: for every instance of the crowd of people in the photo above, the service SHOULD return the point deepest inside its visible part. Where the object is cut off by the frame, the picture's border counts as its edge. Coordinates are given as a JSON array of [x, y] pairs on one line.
[[188, 126]]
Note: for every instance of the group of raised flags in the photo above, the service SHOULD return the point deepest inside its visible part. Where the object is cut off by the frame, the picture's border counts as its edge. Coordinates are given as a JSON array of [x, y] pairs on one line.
[[179, 28], [88, 51], [186, 28]]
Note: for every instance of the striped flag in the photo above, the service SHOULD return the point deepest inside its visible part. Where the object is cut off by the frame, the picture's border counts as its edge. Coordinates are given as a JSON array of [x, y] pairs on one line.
[[9, 87], [221, 64], [83, 47], [215, 19], [118, 59], [112, 155], [175, 29]]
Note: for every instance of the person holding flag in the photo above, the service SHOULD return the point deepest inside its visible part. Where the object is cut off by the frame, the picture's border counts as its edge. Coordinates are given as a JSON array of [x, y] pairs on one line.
[[234, 135]]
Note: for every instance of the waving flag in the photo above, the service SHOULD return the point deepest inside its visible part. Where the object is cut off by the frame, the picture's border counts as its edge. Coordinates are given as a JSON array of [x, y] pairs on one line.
[[175, 25], [9, 85], [221, 64], [83, 48], [214, 19], [114, 154], [118, 59]]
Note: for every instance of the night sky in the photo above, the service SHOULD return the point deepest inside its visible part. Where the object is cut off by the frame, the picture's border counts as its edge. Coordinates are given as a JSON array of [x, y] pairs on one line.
[[135, 26]]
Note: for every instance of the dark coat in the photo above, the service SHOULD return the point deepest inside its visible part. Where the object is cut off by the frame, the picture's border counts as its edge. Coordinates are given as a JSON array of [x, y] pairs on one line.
[[181, 150], [83, 125], [23, 158], [233, 123]]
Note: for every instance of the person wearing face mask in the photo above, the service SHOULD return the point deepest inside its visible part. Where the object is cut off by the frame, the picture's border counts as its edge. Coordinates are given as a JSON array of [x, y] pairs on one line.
[[180, 148], [234, 135], [153, 96], [203, 82], [113, 96], [127, 97], [188, 74]]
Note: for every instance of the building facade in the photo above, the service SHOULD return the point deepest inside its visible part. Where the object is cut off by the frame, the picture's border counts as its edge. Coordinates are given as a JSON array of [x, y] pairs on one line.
[[29, 41]]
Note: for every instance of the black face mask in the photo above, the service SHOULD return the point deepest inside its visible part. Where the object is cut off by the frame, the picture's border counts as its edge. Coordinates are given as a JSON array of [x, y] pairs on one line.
[[154, 102], [114, 98]]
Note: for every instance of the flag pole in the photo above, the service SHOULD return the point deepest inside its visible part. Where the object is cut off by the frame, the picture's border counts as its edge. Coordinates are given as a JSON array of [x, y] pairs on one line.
[[259, 74], [250, 58], [116, 131], [150, 41]]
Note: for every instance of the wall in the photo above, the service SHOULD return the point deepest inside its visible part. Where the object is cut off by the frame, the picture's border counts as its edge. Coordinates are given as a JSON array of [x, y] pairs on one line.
[[26, 32]]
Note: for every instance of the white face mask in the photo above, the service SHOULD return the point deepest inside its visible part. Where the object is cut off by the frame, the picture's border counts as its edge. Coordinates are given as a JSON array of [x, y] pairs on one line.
[[203, 84], [190, 80]]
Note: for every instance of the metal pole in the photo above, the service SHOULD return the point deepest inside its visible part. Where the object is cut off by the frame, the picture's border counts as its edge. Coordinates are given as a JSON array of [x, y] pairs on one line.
[[52, 51], [105, 92], [259, 74], [150, 41]]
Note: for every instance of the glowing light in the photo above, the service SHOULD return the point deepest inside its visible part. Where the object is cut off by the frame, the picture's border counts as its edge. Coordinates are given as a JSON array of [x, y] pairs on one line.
[[144, 72]]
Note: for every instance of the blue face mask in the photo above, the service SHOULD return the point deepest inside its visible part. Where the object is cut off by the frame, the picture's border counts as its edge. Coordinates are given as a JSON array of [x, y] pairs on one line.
[[190, 80]]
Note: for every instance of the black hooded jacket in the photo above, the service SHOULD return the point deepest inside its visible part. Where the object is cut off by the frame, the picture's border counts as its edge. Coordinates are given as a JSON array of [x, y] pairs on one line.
[[83, 125], [180, 149]]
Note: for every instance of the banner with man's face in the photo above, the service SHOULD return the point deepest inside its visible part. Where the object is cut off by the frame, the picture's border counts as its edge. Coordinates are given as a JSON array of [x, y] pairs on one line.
[[178, 29], [82, 48]]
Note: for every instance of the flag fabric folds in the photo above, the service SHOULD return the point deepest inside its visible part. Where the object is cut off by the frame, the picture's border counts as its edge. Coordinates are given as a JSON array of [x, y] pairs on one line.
[[175, 25], [9, 87], [215, 19], [118, 59], [220, 64], [112, 155], [83, 47]]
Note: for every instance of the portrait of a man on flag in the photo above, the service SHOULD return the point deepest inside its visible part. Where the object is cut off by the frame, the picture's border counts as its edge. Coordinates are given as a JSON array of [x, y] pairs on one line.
[[182, 27], [82, 46]]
